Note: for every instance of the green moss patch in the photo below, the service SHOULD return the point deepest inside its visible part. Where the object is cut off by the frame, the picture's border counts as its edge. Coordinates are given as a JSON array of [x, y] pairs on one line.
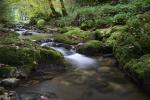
[[141, 66], [93, 47], [19, 52], [73, 36]]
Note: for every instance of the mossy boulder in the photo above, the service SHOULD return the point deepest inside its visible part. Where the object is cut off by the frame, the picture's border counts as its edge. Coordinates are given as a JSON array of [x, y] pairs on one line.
[[139, 70], [40, 23], [112, 39], [51, 56], [73, 36], [102, 34], [24, 53], [93, 47], [141, 66], [109, 35], [133, 42]]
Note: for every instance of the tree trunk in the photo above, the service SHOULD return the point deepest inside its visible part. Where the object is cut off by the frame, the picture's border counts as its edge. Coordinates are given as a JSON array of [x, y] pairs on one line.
[[52, 7], [64, 12]]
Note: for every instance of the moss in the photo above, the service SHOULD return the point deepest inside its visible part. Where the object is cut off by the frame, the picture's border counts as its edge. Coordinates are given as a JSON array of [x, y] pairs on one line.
[[92, 47], [109, 35], [7, 39], [120, 28], [134, 24], [36, 36], [103, 22], [19, 52], [73, 36], [144, 17], [141, 66], [87, 24], [113, 38], [51, 56], [64, 39], [66, 29], [109, 10], [40, 23], [130, 46], [101, 34]]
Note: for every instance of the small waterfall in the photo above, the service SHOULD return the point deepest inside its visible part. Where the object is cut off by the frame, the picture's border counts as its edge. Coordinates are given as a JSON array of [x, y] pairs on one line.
[[78, 60], [81, 61]]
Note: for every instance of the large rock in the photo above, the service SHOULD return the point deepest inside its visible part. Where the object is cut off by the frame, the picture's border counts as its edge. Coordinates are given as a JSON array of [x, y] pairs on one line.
[[25, 54], [10, 82], [93, 47], [73, 35]]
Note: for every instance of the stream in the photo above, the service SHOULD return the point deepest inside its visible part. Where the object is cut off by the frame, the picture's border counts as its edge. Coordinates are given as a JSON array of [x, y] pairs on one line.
[[86, 78]]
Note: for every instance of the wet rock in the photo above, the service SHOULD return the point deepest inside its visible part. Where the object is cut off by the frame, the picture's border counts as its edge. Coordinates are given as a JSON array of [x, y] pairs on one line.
[[66, 46], [2, 89], [10, 82], [9, 95], [52, 30], [40, 42], [23, 75], [27, 33]]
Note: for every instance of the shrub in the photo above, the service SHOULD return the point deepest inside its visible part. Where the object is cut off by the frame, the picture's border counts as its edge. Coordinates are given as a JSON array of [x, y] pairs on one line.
[[121, 18], [103, 22], [40, 23], [108, 10]]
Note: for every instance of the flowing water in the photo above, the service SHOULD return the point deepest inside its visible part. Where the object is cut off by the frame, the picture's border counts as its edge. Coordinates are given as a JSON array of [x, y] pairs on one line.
[[91, 79], [86, 79]]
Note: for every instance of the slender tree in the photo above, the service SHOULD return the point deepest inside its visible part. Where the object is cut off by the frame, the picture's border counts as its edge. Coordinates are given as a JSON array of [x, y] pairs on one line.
[[64, 12], [54, 12]]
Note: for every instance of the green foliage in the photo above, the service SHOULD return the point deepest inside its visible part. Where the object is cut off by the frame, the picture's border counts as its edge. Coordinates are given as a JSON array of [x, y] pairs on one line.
[[90, 2], [7, 39], [134, 24], [144, 17], [121, 18], [4, 11], [109, 10], [63, 21], [40, 23]]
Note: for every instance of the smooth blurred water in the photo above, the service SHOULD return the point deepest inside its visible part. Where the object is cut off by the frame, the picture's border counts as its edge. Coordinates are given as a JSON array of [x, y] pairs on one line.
[[77, 60]]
